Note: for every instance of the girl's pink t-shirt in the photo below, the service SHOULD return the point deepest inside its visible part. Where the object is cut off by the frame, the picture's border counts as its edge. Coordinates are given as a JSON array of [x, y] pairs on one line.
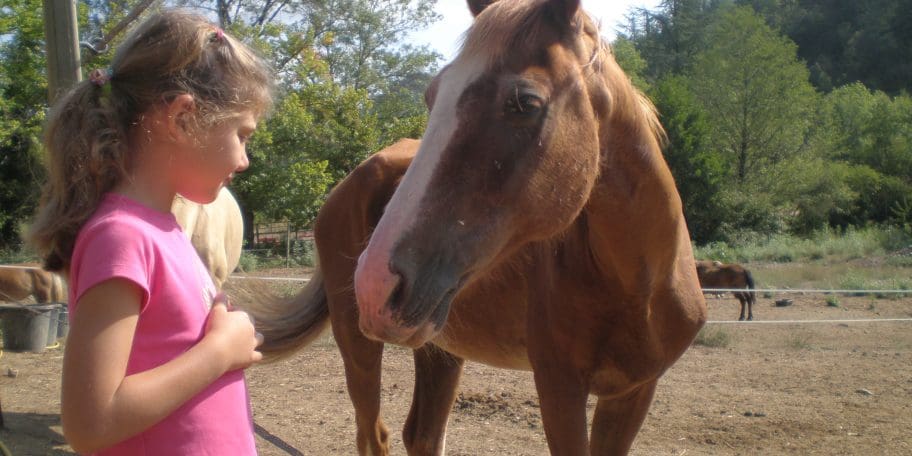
[[128, 240]]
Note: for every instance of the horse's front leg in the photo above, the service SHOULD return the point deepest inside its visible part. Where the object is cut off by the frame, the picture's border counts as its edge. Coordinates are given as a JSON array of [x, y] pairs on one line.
[[742, 301], [562, 398], [437, 375], [617, 420], [363, 359]]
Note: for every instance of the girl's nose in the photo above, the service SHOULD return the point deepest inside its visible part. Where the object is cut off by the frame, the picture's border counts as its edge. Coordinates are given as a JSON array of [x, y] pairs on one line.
[[245, 163]]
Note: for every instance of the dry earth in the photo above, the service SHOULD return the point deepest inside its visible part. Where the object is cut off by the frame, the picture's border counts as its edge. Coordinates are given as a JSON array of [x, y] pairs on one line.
[[802, 389]]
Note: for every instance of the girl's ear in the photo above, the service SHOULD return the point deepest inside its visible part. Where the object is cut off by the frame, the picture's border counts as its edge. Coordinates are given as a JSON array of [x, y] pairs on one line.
[[180, 111]]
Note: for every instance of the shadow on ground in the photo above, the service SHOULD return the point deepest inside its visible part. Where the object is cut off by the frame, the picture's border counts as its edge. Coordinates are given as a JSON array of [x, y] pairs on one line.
[[28, 433]]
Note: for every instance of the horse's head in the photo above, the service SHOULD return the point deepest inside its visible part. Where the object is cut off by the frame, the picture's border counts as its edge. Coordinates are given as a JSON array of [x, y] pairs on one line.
[[509, 157]]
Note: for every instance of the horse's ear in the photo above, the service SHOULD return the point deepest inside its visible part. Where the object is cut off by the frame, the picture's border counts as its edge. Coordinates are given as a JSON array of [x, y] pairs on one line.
[[565, 10], [477, 6]]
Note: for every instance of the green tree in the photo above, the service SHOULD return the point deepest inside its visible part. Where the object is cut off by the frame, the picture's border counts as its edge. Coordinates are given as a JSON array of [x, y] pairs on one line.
[[23, 83], [315, 137], [699, 171], [358, 43], [669, 36], [755, 92], [871, 132], [629, 59], [845, 41]]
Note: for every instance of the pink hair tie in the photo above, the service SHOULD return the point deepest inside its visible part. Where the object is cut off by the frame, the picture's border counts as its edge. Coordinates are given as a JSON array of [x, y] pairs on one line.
[[218, 35], [100, 76]]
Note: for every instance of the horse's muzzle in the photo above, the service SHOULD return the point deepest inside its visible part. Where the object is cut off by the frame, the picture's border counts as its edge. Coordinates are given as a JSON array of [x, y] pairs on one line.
[[401, 305]]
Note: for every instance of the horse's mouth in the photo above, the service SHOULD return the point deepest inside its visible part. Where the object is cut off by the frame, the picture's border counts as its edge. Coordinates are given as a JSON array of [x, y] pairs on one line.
[[408, 323]]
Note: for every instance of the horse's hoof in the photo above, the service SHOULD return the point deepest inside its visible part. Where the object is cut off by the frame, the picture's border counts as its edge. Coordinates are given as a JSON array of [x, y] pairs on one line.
[[741, 319]]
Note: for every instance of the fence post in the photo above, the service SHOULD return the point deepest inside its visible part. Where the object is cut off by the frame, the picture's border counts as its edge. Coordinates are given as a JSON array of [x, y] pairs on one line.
[[287, 244], [62, 44]]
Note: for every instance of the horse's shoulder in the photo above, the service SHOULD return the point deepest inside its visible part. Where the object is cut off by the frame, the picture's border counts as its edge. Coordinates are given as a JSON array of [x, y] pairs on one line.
[[361, 196], [378, 173], [392, 160]]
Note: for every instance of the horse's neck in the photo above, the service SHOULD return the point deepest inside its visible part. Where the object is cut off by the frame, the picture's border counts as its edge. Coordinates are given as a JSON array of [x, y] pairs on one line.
[[635, 226]]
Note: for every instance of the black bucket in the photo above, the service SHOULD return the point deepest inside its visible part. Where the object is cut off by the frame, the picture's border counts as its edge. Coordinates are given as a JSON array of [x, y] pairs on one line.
[[26, 327]]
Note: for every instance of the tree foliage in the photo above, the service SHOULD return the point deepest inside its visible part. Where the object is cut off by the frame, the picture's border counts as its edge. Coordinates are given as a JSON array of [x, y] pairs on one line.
[[755, 92], [23, 83], [753, 147], [698, 169], [844, 41]]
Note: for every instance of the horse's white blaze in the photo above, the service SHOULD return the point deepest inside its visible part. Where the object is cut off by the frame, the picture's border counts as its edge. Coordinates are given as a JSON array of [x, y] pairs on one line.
[[402, 210], [403, 206]]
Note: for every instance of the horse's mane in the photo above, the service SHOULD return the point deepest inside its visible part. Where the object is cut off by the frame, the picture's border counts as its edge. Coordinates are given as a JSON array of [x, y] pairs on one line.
[[506, 27]]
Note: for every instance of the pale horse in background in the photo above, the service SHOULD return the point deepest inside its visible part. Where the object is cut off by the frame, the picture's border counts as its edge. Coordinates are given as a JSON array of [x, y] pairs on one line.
[[216, 231]]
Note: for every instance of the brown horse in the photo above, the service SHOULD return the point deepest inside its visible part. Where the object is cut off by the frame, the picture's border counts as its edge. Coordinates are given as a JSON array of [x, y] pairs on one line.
[[713, 274], [21, 281], [216, 231], [536, 226]]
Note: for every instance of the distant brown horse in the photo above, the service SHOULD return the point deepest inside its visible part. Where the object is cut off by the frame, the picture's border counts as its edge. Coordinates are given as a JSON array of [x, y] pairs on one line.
[[21, 281], [713, 274], [536, 226]]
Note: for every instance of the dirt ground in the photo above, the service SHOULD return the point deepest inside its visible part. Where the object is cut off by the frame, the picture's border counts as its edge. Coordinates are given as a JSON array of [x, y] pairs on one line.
[[804, 389]]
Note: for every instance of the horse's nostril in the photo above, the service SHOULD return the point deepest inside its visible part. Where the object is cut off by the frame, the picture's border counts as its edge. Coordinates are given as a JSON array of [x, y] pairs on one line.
[[397, 296]]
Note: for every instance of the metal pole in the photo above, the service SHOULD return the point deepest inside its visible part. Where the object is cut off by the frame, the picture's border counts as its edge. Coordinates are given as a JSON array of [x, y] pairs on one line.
[[62, 37]]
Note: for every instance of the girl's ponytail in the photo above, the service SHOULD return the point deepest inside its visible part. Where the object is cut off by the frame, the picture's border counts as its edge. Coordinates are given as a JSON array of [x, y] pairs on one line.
[[86, 145]]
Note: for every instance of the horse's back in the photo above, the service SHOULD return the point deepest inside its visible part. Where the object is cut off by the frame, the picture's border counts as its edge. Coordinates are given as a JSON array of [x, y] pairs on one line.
[[713, 274], [23, 280], [15, 284], [352, 208], [216, 231]]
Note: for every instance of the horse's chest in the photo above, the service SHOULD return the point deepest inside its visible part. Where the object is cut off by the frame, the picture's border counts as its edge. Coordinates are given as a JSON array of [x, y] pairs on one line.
[[489, 328]]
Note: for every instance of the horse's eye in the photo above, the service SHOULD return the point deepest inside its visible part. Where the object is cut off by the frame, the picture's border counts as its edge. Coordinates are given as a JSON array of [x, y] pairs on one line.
[[524, 104]]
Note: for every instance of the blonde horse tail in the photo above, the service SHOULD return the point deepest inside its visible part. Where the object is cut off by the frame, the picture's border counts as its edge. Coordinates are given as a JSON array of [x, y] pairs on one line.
[[287, 324], [57, 289]]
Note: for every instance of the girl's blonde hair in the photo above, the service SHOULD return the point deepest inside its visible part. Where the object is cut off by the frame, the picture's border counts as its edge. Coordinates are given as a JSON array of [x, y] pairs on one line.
[[88, 131]]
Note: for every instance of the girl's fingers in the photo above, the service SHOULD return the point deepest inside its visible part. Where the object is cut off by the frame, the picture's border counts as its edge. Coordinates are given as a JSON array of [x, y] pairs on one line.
[[259, 338]]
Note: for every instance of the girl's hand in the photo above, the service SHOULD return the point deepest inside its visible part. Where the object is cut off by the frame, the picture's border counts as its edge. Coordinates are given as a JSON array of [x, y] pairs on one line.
[[232, 333]]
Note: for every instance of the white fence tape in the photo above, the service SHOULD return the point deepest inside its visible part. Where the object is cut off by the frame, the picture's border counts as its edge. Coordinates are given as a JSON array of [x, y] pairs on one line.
[[794, 322], [799, 290]]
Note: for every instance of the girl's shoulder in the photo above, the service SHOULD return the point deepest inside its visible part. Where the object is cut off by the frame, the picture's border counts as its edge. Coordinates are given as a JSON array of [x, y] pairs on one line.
[[120, 226], [118, 213]]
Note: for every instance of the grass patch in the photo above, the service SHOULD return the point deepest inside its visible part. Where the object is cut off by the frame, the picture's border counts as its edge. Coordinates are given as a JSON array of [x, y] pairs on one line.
[[826, 245], [713, 338], [11, 256], [839, 275], [832, 301], [798, 341]]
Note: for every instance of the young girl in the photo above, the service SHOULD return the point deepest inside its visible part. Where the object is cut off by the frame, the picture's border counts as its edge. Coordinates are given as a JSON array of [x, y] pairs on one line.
[[154, 362]]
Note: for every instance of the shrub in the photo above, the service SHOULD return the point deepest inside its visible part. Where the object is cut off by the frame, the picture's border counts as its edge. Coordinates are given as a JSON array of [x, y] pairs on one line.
[[713, 338], [248, 262]]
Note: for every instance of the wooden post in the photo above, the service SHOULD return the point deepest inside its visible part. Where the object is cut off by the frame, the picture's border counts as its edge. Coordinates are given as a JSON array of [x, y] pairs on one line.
[[288, 245], [62, 41]]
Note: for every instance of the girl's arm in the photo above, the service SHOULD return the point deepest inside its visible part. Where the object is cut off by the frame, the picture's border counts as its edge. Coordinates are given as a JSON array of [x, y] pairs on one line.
[[100, 405]]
